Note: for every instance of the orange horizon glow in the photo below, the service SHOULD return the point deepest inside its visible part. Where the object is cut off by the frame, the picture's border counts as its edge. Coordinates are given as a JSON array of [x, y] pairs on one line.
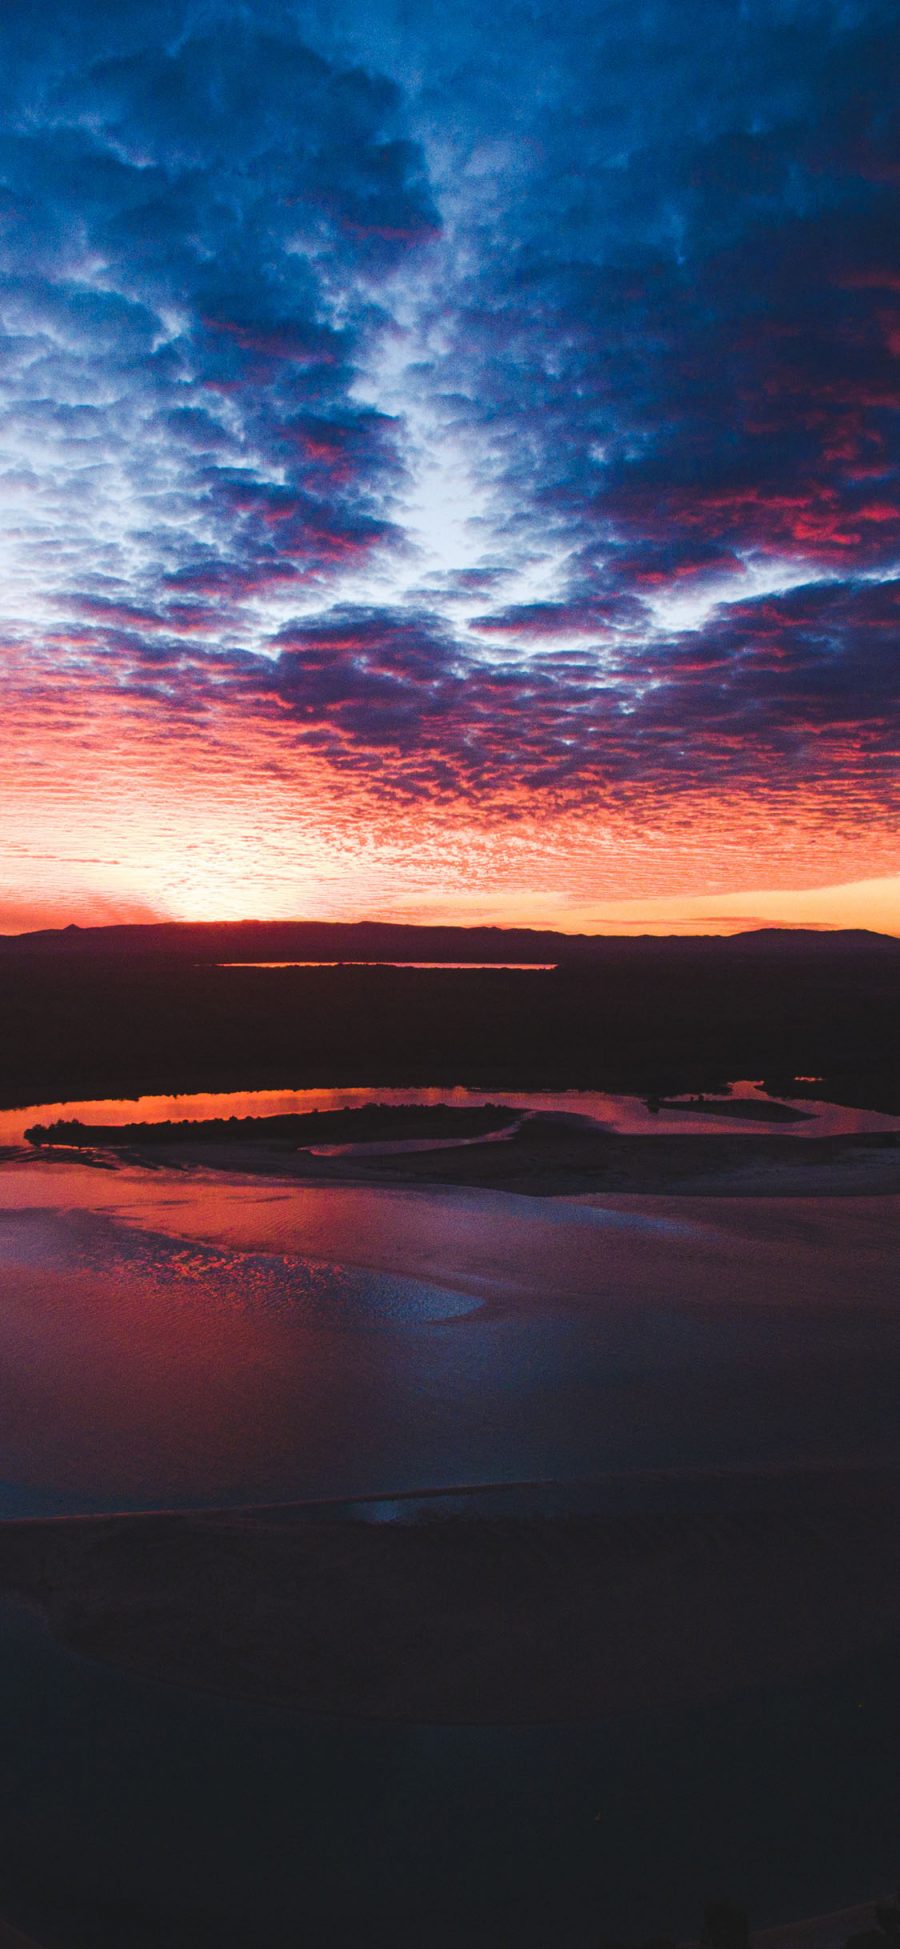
[[410, 512], [232, 816], [872, 904]]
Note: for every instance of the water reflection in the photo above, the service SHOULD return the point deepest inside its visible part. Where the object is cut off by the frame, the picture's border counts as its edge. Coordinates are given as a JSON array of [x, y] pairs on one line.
[[627, 1114], [169, 1341], [439, 967]]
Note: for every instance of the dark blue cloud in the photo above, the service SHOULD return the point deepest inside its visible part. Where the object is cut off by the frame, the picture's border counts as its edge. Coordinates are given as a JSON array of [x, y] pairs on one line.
[[513, 397], [688, 357], [192, 227]]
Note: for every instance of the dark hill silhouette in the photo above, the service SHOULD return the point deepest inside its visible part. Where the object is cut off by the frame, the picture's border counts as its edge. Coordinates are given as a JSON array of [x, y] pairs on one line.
[[121, 1011], [368, 940]]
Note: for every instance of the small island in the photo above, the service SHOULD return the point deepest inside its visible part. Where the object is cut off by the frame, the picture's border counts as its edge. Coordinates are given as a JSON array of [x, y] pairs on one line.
[[372, 1123]]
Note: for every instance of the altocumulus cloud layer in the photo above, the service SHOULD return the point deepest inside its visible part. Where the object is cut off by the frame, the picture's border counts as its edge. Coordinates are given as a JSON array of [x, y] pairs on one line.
[[491, 416]]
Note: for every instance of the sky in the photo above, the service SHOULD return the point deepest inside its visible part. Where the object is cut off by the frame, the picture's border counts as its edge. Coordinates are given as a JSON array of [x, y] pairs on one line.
[[449, 461]]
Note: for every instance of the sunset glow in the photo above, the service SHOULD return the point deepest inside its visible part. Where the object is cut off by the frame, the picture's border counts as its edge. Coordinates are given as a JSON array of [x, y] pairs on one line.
[[448, 466]]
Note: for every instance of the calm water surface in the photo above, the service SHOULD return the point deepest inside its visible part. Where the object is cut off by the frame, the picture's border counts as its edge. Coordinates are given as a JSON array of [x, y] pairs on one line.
[[174, 1337]]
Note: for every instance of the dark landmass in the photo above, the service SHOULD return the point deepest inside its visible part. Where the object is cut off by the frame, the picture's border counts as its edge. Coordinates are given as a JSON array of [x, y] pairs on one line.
[[747, 1109], [470, 1619], [371, 1123], [123, 1011], [373, 940], [546, 1156]]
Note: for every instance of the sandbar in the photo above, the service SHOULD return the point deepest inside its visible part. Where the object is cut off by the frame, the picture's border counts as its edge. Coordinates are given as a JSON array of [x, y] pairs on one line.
[[546, 1156]]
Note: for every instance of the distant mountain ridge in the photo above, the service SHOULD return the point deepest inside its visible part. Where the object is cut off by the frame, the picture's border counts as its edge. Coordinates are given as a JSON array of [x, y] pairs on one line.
[[209, 942]]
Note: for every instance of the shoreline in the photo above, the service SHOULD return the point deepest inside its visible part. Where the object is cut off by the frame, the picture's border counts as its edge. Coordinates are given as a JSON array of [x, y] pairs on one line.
[[544, 1157]]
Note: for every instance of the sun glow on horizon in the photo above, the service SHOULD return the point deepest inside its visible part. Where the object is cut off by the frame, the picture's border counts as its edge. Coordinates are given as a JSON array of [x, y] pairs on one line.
[[468, 485]]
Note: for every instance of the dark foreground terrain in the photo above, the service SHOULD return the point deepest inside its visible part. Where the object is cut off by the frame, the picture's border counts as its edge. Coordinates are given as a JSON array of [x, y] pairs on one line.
[[125, 1010], [470, 1619]]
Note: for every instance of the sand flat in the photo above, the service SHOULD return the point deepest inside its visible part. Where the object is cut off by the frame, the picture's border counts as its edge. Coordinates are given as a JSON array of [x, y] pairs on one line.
[[467, 1619], [558, 1156]]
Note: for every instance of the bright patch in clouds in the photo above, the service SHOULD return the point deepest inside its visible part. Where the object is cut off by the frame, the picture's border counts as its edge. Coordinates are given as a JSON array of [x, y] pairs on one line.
[[449, 458]]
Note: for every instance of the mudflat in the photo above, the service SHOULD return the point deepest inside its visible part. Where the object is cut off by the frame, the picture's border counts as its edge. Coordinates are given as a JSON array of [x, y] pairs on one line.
[[468, 1618], [546, 1156]]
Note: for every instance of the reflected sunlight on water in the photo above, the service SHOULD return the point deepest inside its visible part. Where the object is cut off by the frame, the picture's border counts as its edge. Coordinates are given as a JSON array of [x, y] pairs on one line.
[[170, 1338], [628, 1115]]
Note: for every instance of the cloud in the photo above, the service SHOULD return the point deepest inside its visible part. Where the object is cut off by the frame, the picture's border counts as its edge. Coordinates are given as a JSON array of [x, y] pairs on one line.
[[494, 411], [191, 230]]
